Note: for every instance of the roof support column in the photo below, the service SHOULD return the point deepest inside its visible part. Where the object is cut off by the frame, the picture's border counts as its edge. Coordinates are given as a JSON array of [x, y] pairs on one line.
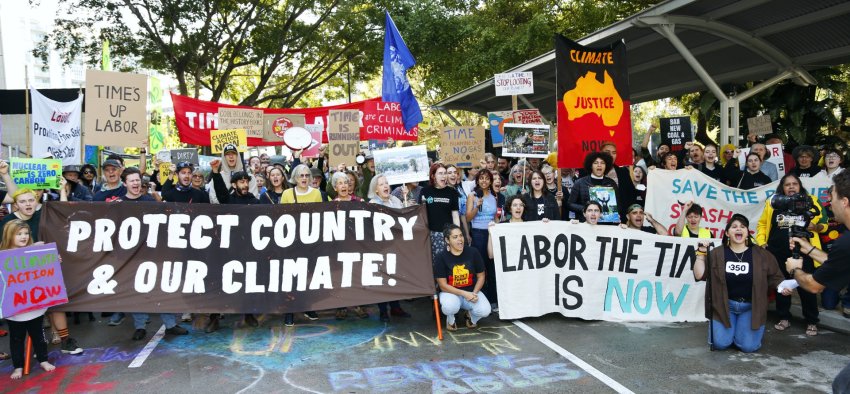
[[669, 32]]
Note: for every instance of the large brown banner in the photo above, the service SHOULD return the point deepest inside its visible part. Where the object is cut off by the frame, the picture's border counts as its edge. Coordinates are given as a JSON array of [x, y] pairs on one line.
[[169, 257]]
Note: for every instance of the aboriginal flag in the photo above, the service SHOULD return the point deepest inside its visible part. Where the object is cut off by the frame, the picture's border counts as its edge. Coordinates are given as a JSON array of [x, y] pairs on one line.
[[593, 101]]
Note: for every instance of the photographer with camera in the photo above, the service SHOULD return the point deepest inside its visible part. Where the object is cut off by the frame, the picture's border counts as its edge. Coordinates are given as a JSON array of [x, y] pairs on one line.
[[791, 212], [835, 271]]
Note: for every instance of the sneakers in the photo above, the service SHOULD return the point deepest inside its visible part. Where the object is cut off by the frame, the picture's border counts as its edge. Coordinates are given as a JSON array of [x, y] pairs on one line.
[[846, 312], [251, 320], [361, 312], [212, 324], [3, 333], [341, 313], [176, 330], [69, 346], [116, 319], [468, 320], [311, 315], [289, 320], [494, 308], [398, 312], [186, 318], [139, 334]]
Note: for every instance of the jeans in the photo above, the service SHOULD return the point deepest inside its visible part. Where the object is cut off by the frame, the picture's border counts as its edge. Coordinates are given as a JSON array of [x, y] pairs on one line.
[[830, 298], [139, 320], [479, 242], [453, 303], [116, 317], [739, 332]]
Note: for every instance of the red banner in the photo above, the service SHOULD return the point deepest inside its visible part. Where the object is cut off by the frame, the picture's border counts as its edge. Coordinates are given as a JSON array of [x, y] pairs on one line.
[[592, 86], [195, 118]]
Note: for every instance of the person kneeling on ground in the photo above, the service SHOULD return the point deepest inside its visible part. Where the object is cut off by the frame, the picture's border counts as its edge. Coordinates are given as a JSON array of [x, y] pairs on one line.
[[460, 274]]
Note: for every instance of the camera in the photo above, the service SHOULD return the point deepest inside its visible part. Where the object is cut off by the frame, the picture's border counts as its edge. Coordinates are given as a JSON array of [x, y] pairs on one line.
[[794, 213]]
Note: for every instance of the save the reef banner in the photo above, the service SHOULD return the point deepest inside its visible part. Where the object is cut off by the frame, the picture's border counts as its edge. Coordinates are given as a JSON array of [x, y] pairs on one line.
[[31, 279], [592, 90], [148, 257], [667, 189], [595, 272]]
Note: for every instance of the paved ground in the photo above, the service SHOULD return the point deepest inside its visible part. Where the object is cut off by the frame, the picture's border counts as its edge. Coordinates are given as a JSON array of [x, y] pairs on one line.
[[405, 356]]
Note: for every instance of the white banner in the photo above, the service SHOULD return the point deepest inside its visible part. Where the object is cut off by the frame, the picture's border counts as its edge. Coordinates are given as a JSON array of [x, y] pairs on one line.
[[665, 189], [775, 158], [595, 273], [56, 128]]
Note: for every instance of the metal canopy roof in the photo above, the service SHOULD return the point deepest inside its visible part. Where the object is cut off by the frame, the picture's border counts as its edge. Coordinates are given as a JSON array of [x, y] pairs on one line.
[[734, 41]]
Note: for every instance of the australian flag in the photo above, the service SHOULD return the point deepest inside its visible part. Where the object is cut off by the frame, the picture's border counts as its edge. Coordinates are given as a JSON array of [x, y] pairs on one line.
[[396, 88]]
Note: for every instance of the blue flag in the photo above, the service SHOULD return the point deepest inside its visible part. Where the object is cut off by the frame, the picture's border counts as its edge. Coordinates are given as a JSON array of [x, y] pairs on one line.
[[396, 88]]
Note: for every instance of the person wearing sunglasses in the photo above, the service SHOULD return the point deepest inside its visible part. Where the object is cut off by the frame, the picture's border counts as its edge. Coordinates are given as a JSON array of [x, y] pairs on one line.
[[76, 191], [88, 177]]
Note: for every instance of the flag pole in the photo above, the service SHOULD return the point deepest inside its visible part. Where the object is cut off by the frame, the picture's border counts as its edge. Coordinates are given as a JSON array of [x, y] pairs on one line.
[[27, 109]]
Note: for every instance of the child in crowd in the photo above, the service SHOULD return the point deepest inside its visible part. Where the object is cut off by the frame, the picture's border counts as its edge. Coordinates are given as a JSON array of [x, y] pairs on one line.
[[16, 234]]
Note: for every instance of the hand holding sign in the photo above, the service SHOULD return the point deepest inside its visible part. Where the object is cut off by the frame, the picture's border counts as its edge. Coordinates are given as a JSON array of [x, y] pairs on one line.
[[4, 167]]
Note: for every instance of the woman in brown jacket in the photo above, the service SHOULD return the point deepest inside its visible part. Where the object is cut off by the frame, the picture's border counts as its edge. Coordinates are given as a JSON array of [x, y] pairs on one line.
[[741, 275]]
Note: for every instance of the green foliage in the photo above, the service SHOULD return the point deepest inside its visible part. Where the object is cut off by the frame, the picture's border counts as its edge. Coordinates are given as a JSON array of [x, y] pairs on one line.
[[255, 52]]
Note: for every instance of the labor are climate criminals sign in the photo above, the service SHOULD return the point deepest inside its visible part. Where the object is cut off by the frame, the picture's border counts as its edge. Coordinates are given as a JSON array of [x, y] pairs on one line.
[[155, 257]]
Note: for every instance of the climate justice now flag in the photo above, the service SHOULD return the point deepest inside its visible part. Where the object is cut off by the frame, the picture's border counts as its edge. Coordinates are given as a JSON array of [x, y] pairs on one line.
[[154, 257], [595, 273], [592, 86]]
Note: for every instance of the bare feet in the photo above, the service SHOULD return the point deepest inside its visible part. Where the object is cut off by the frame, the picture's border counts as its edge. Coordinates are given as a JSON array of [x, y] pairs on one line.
[[17, 373], [47, 366]]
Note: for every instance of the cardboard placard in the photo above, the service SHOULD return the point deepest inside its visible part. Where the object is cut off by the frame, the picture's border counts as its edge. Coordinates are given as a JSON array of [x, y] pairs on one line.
[[163, 155], [515, 83], [526, 140], [496, 120], [164, 172], [527, 116], [184, 155], [402, 165], [275, 125], [251, 120], [462, 146], [220, 138], [760, 125], [34, 279], [343, 136], [116, 109], [675, 132], [36, 174]]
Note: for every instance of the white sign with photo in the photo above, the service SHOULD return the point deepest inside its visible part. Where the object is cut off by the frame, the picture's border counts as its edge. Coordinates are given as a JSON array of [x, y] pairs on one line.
[[526, 140], [402, 165]]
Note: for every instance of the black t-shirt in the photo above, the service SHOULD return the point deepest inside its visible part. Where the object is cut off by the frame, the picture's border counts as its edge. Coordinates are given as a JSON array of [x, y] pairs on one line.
[[650, 230], [110, 195], [142, 198], [807, 173], [751, 181], [459, 271], [739, 274], [537, 208], [440, 204], [717, 173], [835, 271]]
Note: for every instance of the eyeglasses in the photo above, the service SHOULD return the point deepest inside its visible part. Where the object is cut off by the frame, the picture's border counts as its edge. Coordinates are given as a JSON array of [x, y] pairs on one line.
[[87, 173], [832, 156], [303, 175], [729, 151]]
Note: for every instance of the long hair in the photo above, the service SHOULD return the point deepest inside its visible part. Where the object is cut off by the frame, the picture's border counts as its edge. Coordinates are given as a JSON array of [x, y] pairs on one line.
[[781, 190], [10, 229], [740, 219], [482, 173]]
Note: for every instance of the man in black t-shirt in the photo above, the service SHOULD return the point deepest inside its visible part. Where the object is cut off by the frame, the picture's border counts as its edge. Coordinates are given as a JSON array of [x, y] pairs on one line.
[[834, 273], [460, 274]]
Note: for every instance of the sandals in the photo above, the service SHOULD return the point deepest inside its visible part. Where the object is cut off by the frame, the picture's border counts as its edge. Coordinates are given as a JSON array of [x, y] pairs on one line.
[[451, 327], [4, 356], [812, 330], [782, 325], [469, 324]]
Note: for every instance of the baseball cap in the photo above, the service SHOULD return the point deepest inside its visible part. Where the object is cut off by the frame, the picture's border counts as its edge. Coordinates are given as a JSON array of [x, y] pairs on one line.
[[633, 207], [230, 148], [110, 162], [71, 168]]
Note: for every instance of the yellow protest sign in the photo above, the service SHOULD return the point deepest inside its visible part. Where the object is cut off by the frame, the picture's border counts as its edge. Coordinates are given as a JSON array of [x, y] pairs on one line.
[[220, 138]]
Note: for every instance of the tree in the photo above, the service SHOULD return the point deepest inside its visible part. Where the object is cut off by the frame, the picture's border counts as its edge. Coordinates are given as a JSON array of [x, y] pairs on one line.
[[276, 52]]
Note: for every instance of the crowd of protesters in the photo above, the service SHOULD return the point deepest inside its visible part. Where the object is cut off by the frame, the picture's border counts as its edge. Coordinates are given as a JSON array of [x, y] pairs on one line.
[[462, 205]]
